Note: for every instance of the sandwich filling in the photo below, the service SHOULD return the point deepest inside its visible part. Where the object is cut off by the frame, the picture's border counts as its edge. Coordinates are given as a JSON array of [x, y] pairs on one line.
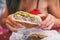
[[26, 17]]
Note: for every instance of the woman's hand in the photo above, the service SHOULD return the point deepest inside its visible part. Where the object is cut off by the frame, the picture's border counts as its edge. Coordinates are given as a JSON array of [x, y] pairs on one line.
[[48, 23], [13, 26]]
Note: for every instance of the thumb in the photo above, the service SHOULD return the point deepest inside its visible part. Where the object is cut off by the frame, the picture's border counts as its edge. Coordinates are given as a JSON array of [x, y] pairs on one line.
[[43, 16]]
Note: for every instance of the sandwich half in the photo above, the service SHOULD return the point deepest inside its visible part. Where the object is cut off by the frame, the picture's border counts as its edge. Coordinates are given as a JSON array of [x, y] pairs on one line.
[[27, 19]]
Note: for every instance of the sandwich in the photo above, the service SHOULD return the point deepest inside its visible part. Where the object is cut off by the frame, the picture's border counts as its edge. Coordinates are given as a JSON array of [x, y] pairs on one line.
[[26, 19]]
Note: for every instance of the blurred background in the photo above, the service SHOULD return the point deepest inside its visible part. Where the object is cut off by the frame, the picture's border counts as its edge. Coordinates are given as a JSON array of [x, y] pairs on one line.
[[2, 6], [4, 33]]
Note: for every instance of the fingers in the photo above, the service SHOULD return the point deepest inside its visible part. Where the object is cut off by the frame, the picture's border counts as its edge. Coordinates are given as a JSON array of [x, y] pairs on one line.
[[43, 16], [48, 23], [9, 20], [11, 28], [18, 24], [48, 27], [51, 21], [12, 22]]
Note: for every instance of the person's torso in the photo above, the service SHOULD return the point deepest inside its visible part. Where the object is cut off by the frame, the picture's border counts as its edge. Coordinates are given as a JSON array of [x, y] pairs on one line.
[[29, 5]]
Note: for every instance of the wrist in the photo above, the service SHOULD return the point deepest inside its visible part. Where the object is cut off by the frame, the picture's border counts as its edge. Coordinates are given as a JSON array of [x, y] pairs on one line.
[[57, 23]]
